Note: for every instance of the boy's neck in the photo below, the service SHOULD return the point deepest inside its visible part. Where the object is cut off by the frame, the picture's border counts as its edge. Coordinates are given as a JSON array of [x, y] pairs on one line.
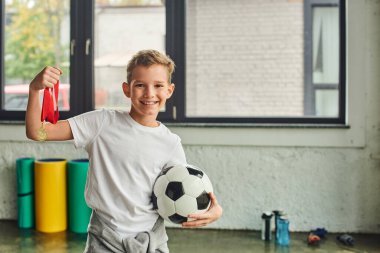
[[145, 121]]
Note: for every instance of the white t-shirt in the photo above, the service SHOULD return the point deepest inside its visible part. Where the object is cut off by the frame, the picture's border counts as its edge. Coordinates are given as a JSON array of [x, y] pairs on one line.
[[125, 159]]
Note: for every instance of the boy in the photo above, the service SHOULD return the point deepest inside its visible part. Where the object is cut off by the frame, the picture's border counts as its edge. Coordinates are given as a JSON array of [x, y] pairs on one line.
[[127, 152]]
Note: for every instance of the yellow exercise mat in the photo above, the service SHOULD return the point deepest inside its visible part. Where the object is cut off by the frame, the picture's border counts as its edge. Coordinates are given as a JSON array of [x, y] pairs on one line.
[[50, 195]]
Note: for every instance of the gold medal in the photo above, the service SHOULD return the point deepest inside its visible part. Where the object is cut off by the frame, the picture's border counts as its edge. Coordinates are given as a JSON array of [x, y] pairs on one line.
[[41, 133]]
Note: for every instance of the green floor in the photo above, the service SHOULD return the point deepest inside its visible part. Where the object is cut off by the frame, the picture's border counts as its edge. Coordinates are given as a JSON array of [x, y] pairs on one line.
[[15, 240]]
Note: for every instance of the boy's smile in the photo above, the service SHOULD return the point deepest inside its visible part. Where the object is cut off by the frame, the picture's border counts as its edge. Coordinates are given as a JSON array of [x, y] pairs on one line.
[[148, 91]]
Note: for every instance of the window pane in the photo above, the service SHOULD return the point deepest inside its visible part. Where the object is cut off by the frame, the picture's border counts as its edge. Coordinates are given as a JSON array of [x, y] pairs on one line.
[[326, 103], [325, 45], [140, 25], [37, 33], [246, 58]]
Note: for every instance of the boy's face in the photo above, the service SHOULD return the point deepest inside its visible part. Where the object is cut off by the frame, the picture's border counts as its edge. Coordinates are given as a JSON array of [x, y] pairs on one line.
[[148, 91]]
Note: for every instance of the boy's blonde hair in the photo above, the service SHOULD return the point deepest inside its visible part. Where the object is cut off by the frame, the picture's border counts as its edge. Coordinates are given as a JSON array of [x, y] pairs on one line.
[[147, 58]]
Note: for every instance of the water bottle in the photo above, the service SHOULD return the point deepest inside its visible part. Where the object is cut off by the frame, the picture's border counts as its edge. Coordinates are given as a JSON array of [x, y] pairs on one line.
[[266, 233], [283, 238], [277, 214]]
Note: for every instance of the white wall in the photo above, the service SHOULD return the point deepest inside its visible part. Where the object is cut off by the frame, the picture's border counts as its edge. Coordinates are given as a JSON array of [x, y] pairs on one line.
[[322, 177]]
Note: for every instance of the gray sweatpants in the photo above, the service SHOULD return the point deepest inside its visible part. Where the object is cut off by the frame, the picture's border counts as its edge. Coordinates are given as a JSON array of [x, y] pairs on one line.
[[102, 238]]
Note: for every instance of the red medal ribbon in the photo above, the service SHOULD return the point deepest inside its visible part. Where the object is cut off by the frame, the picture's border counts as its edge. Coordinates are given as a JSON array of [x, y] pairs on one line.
[[50, 104]]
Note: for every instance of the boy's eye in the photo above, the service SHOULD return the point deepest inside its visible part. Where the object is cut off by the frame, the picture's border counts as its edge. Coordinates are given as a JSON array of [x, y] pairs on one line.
[[139, 85], [159, 85]]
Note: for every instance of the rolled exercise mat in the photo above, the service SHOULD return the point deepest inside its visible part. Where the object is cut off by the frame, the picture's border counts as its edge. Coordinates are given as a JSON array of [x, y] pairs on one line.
[[79, 212], [50, 195], [25, 187]]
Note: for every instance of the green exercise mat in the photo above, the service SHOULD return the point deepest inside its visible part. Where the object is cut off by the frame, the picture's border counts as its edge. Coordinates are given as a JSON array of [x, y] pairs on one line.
[[79, 212], [25, 191], [25, 211]]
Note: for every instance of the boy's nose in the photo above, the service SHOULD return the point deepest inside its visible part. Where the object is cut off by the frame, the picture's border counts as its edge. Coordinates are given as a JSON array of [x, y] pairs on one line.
[[149, 92]]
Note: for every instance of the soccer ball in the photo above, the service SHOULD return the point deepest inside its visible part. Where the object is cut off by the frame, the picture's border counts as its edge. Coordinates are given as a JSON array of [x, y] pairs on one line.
[[181, 190]]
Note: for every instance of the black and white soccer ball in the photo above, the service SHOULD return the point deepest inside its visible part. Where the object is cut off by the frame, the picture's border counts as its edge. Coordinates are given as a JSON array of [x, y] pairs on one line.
[[181, 190]]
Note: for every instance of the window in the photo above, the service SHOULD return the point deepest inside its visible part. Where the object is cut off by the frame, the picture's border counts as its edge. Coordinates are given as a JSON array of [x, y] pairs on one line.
[[82, 39], [140, 25], [322, 58], [34, 34], [258, 61], [237, 61], [39, 33]]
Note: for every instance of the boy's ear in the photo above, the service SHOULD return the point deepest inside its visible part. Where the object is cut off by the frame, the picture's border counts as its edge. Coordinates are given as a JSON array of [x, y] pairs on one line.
[[126, 89], [170, 90]]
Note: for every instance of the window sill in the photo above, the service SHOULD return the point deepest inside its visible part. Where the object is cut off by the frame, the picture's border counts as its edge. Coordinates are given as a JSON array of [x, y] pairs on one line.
[[270, 135], [255, 125], [238, 135]]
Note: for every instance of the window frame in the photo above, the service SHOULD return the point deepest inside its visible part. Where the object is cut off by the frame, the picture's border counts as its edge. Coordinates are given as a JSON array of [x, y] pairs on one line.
[[175, 47], [82, 70], [81, 29]]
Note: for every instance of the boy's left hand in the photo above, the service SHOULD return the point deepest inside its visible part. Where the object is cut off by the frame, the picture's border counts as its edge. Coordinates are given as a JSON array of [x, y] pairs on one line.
[[213, 213]]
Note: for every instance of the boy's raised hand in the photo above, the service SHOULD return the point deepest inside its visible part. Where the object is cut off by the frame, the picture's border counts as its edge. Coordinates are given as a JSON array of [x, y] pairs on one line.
[[47, 78], [61, 131], [213, 213]]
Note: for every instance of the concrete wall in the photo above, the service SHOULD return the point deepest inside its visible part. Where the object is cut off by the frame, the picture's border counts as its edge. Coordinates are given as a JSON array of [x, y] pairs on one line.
[[322, 177]]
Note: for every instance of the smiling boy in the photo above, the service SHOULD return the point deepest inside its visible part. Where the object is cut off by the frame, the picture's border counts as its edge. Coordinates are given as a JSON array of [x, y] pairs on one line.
[[127, 151]]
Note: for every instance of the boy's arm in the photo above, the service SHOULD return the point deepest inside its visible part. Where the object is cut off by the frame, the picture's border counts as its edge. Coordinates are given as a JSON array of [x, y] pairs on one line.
[[58, 132]]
